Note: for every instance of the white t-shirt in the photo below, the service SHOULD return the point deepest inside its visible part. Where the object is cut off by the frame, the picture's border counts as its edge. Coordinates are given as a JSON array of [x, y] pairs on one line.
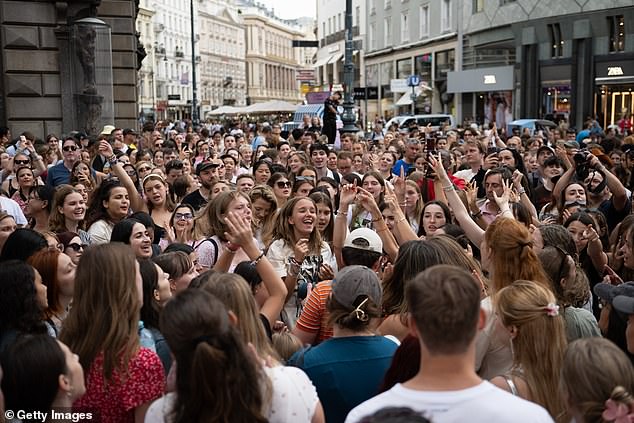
[[280, 251], [294, 398], [484, 403], [12, 208], [466, 174], [100, 232]]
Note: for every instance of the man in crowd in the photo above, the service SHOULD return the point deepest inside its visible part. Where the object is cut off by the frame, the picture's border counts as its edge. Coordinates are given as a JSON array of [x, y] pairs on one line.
[[207, 172], [60, 173]]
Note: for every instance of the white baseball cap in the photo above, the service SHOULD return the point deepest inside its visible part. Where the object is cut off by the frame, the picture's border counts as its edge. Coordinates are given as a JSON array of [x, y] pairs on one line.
[[364, 239]]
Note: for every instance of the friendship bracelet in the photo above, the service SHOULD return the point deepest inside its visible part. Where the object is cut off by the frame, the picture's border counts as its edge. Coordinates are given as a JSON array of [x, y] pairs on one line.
[[257, 260], [449, 188]]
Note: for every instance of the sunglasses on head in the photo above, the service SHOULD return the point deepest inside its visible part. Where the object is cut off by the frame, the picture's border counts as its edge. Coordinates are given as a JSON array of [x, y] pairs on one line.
[[145, 169], [21, 162], [305, 178], [70, 148], [76, 247], [283, 184]]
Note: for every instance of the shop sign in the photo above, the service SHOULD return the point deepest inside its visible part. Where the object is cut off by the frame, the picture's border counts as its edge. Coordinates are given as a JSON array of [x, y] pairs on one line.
[[615, 71], [489, 79]]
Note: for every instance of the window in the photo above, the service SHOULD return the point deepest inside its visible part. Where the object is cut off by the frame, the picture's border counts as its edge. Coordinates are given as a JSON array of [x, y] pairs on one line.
[[357, 16], [424, 20], [388, 4], [323, 29], [404, 27], [340, 26], [446, 15], [329, 26], [372, 7], [387, 28], [478, 6], [617, 33], [556, 42], [372, 36]]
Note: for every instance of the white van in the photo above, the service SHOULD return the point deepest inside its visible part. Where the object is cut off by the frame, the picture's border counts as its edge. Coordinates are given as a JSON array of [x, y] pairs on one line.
[[437, 121]]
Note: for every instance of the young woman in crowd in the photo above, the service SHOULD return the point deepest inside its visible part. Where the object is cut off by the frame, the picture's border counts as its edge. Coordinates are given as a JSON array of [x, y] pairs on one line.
[[412, 204], [58, 275], [81, 174], [71, 245], [179, 268], [325, 216], [297, 250], [281, 187], [136, 235], [156, 292], [181, 226], [211, 228], [262, 171], [597, 379], [22, 243], [435, 215], [110, 204], [26, 184], [201, 335], [41, 374], [302, 186], [68, 213], [589, 249], [386, 163], [108, 342], [264, 207], [296, 160], [530, 314], [373, 183], [23, 300], [157, 203], [39, 206]]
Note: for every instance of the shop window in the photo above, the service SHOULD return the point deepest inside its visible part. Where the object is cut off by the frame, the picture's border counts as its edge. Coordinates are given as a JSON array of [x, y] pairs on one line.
[[556, 42], [478, 6], [424, 20], [617, 33]]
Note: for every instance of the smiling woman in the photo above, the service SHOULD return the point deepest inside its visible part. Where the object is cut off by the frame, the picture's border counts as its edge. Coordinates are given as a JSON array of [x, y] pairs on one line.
[[135, 234], [68, 213]]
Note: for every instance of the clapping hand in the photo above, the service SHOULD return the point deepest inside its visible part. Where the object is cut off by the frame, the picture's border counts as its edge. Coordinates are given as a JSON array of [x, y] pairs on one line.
[[239, 230]]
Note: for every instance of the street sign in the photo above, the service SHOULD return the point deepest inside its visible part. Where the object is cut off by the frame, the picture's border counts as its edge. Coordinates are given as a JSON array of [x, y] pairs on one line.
[[305, 75], [336, 87], [413, 80], [373, 93], [399, 86]]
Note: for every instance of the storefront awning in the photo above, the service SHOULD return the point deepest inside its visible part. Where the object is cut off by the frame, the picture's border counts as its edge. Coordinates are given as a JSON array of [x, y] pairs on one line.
[[319, 63], [480, 80], [405, 100], [335, 58]]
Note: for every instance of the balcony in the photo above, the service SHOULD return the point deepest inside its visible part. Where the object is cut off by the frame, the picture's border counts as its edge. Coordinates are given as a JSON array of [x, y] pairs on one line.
[[338, 36]]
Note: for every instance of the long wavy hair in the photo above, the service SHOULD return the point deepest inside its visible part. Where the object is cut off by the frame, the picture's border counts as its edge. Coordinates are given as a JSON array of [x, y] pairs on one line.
[[414, 214], [56, 220], [511, 253], [19, 307], [323, 198], [217, 379], [209, 221], [284, 229], [96, 210], [413, 258], [45, 262], [111, 299], [358, 209], [539, 346]]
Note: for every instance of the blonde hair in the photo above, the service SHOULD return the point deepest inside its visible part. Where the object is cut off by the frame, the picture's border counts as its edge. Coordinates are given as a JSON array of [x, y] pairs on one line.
[[265, 193], [540, 343], [286, 344], [284, 230], [413, 216], [235, 293], [593, 369]]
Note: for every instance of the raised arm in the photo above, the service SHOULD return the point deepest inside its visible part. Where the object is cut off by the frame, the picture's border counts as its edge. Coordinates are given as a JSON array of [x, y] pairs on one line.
[[136, 201], [389, 243], [240, 234], [347, 196]]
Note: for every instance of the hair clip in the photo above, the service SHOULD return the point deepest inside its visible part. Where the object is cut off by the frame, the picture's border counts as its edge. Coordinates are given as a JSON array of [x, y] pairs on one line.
[[617, 412], [360, 313], [552, 310]]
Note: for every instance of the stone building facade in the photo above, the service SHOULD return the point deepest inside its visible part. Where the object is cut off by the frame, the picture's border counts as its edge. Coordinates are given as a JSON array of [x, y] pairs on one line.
[[38, 90]]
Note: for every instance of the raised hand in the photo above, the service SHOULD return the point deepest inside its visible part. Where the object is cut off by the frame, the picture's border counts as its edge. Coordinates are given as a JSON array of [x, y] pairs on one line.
[[399, 184], [503, 200], [439, 169], [239, 232], [105, 149], [301, 249], [348, 194], [366, 200]]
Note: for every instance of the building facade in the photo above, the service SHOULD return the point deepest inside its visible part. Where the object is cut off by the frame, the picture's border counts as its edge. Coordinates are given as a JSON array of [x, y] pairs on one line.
[[563, 61], [146, 79], [49, 81], [403, 38], [272, 61], [222, 68]]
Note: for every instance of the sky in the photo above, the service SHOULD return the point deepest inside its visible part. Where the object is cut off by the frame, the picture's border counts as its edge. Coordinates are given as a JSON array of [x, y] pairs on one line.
[[288, 9]]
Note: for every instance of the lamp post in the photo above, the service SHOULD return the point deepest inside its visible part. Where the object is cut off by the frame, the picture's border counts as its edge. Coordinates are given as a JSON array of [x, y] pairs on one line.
[[194, 99], [348, 117]]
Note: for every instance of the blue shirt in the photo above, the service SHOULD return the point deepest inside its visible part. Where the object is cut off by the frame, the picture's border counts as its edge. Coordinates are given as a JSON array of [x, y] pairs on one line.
[[58, 175], [346, 371], [402, 163]]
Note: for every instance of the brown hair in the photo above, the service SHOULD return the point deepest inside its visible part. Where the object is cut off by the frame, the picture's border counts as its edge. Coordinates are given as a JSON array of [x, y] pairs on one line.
[[512, 255], [56, 220], [592, 369], [539, 346], [45, 262], [111, 300], [284, 230], [216, 380], [209, 221], [444, 302]]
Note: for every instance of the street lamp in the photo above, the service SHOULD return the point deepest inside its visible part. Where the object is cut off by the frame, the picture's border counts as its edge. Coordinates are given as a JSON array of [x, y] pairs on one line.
[[194, 99], [348, 117]]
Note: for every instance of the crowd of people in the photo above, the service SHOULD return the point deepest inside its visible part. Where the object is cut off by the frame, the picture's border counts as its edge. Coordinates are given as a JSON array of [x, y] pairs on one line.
[[238, 273]]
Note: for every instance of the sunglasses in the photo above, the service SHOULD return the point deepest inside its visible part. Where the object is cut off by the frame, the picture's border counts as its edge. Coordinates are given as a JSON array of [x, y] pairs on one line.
[[283, 184], [76, 247], [131, 172], [70, 148], [158, 144], [145, 169], [183, 216], [21, 162]]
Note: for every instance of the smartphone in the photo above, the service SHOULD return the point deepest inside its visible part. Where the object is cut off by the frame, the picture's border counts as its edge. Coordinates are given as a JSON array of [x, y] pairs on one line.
[[492, 150], [430, 145]]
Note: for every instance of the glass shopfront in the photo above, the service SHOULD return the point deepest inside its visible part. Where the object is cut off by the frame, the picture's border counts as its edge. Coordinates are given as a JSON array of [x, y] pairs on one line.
[[613, 96]]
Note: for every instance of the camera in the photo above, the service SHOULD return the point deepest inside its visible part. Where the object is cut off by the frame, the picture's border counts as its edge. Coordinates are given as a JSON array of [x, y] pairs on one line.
[[582, 159]]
